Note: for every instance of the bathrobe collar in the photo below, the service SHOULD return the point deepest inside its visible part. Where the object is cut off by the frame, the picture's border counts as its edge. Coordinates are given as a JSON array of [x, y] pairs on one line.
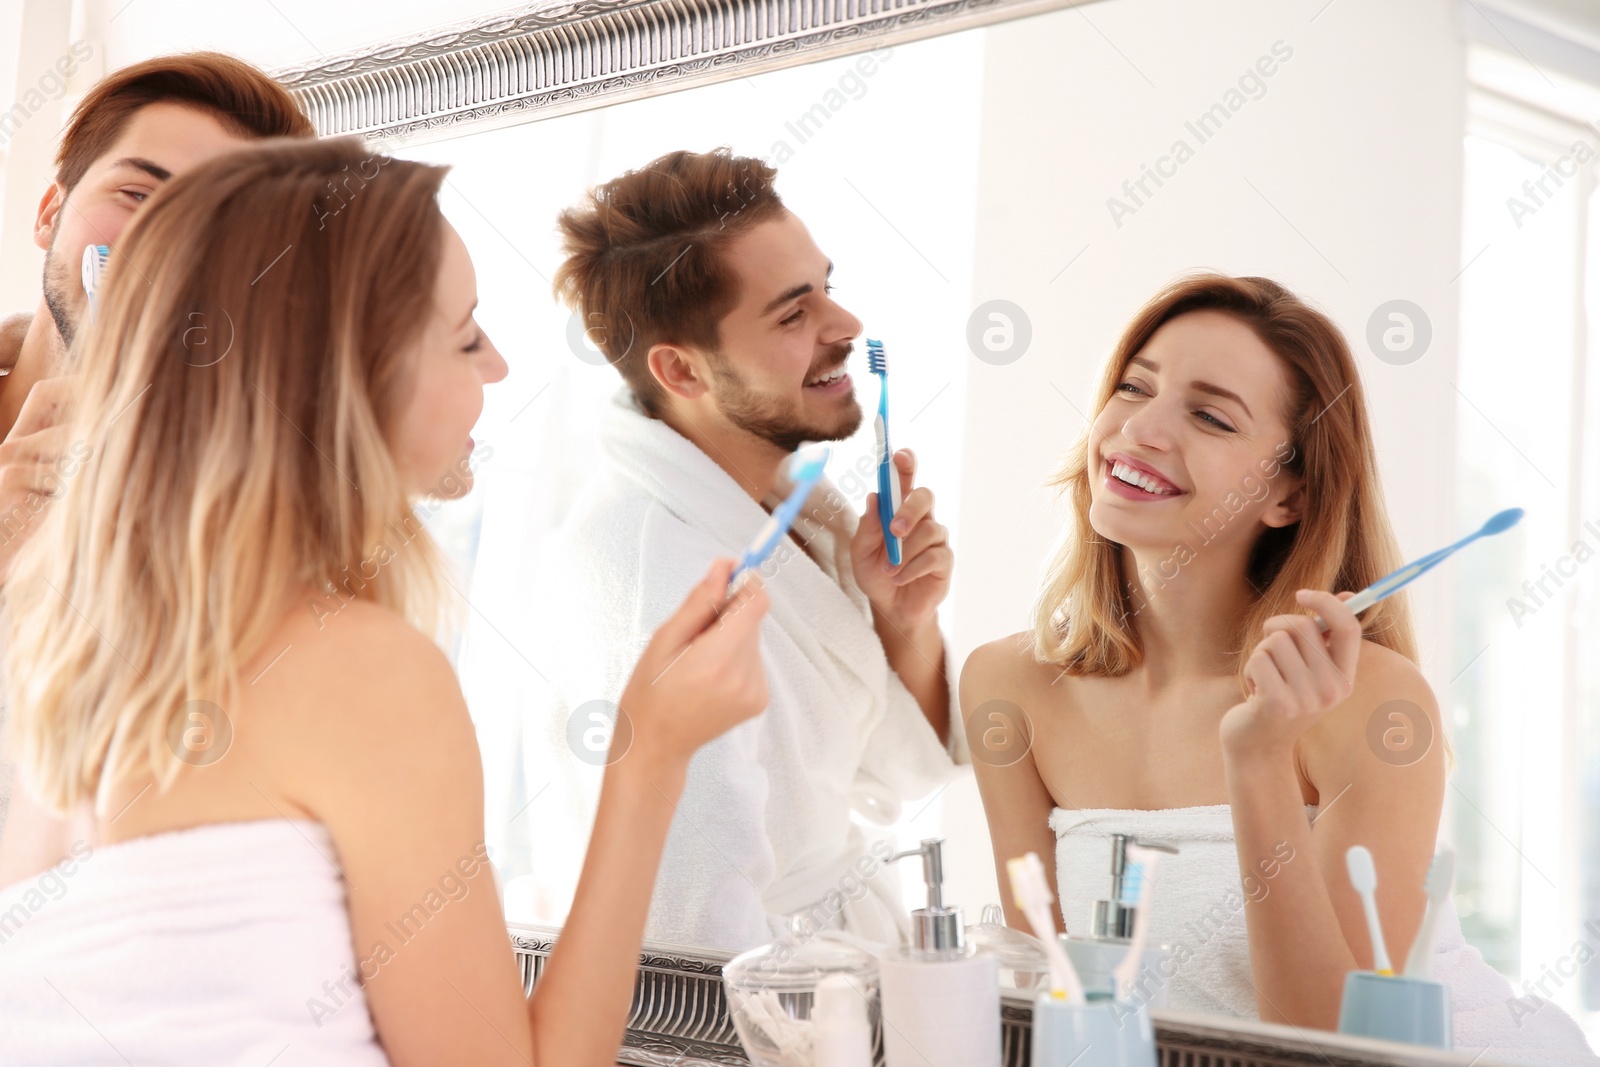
[[816, 599]]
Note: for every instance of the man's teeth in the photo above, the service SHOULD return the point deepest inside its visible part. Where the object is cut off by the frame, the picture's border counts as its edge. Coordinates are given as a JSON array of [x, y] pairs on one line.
[[1124, 473], [832, 376]]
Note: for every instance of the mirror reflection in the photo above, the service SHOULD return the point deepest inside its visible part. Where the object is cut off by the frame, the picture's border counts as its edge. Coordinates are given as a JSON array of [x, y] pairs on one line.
[[1238, 286]]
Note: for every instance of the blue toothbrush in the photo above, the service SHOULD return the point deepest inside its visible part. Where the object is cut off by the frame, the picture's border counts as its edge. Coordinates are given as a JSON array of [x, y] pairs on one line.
[[95, 258], [805, 468], [888, 474], [1390, 584]]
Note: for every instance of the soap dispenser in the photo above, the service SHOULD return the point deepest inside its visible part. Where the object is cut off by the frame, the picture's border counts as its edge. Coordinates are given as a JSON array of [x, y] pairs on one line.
[[940, 995], [1096, 955]]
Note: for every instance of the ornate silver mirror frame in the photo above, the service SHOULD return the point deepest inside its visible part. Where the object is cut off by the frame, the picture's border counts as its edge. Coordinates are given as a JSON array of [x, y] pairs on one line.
[[680, 1018], [555, 59]]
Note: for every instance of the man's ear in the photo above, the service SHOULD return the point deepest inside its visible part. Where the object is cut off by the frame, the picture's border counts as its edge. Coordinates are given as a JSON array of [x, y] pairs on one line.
[[680, 371], [1287, 511], [48, 215]]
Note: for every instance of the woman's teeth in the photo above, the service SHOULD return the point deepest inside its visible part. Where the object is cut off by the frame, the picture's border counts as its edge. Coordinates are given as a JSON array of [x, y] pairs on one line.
[[1124, 473], [832, 376]]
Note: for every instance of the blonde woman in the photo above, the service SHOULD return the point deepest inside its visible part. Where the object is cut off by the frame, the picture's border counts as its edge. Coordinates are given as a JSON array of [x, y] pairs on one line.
[[250, 822], [1175, 686]]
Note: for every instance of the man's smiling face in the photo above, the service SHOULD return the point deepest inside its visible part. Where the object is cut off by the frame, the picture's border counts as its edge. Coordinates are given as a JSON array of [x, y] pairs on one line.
[[780, 371], [158, 142]]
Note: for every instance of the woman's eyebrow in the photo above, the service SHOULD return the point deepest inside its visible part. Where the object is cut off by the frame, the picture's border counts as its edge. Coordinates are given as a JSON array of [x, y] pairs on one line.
[[1203, 387], [1226, 394]]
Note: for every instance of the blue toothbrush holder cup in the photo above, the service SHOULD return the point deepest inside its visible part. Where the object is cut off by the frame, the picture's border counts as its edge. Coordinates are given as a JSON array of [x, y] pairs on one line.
[[1413, 1010], [1104, 1032]]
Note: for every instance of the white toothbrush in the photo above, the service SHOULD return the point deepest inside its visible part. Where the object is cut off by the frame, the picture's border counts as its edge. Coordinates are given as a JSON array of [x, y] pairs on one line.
[[1144, 860], [1032, 894], [1364, 876], [95, 258], [1441, 881]]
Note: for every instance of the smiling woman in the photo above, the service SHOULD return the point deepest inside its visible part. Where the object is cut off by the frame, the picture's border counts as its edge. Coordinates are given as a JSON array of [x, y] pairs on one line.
[[1308, 415], [1204, 708], [160, 714]]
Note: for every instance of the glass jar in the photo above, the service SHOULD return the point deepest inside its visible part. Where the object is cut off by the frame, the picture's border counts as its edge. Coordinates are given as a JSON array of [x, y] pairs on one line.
[[772, 989]]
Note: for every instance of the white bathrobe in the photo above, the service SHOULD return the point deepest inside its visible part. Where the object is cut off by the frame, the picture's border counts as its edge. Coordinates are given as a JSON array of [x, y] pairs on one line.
[[765, 826]]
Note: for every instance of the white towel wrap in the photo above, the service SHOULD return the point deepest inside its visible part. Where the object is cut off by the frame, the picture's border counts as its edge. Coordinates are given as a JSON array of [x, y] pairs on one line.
[[209, 945]]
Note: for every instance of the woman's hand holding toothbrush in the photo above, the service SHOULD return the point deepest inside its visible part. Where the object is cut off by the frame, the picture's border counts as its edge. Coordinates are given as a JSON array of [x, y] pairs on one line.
[[700, 675], [1302, 735], [1296, 674]]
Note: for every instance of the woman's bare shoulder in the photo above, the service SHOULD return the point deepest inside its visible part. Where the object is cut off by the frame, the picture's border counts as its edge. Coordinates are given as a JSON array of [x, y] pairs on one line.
[[1005, 659], [359, 649], [1391, 713], [1007, 669], [356, 693]]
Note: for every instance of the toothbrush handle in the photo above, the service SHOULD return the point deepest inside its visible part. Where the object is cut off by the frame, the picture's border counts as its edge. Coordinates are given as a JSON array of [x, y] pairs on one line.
[[1419, 961], [1357, 604], [888, 492], [1061, 967], [1395, 581], [1380, 951], [888, 503]]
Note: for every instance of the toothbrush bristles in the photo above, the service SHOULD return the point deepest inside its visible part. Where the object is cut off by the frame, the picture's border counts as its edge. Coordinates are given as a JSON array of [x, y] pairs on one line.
[[1028, 885], [877, 360]]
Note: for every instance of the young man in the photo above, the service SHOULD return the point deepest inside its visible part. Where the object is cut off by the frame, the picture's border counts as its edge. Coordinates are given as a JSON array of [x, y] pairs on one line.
[[711, 300], [131, 132]]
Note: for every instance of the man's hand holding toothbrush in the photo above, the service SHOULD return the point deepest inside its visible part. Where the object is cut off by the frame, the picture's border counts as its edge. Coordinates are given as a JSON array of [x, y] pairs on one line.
[[905, 599], [908, 596], [32, 467]]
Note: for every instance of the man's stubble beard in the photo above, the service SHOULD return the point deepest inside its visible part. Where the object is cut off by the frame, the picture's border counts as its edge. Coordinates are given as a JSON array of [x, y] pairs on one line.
[[766, 419], [57, 290]]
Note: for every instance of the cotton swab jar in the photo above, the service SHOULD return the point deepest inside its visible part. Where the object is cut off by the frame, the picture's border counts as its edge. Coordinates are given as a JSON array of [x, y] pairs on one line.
[[772, 993]]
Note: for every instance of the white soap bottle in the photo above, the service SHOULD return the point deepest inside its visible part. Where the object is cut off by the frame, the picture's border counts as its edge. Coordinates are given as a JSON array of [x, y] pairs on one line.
[[940, 996]]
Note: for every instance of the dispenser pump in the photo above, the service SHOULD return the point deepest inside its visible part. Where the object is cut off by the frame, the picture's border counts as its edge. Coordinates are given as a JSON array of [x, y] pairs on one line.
[[1113, 919], [935, 928]]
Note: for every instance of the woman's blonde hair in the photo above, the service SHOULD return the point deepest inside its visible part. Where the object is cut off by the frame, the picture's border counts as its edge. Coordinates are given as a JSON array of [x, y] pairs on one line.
[[237, 393], [1083, 616]]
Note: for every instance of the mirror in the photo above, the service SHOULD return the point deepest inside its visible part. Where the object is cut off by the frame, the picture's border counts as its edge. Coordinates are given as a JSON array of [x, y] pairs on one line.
[[998, 203]]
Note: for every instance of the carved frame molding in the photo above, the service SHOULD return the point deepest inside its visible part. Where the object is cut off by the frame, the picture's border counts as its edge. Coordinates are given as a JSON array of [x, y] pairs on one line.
[[557, 58]]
